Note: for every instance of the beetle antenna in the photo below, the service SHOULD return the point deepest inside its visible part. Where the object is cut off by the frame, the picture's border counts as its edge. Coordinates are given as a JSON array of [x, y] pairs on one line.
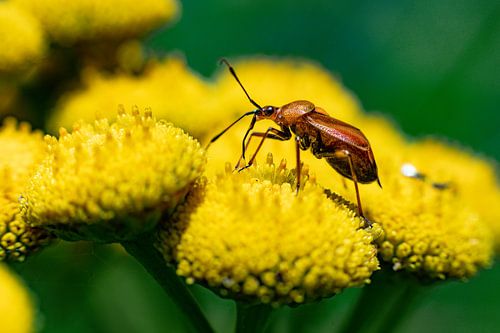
[[231, 69], [227, 128]]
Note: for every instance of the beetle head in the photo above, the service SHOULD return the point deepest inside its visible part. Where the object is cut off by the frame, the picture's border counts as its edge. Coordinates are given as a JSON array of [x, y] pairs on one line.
[[267, 112]]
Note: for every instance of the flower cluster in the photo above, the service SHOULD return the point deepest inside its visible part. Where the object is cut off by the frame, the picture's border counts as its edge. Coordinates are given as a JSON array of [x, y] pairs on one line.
[[249, 236], [170, 88], [111, 181], [435, 226], [84, 20], [198, 106], [22, 149], [427, 229], [239, 233], [470, 176]]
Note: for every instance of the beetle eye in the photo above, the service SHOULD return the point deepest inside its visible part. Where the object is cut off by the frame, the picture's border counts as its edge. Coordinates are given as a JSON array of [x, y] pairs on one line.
[[269, 110]]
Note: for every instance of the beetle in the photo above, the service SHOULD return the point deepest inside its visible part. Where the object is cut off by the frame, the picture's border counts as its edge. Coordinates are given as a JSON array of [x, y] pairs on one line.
[[342, 145]]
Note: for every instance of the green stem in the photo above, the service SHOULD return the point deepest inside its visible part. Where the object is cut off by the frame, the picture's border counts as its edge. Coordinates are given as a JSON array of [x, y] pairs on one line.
[[252, 318], [144, 251], [383, 304], [400, 309]]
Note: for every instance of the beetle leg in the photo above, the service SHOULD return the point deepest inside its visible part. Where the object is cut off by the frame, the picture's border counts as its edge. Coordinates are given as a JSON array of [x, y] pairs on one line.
[[271, 133], [346, 154], [299, 166]]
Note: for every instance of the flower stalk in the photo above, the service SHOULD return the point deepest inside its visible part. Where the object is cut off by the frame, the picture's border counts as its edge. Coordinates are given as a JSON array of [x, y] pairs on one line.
[[384, 304], [252, 318], [142, 250]]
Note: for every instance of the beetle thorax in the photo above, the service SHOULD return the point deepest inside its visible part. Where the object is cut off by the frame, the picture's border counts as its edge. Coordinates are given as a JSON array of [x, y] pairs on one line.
[[288, 114]]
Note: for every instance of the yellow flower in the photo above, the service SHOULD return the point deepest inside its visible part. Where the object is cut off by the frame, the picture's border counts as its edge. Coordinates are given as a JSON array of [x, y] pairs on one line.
[[170, 88], [471, 176], [453, 237], [16, 305], [110, 182], [430, 226], [428, 230], [68, 22], [249, 236], [23, 43], [200, 107], [21, 150]]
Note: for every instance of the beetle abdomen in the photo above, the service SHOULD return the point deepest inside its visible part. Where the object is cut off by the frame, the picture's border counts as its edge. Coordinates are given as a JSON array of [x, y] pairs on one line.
[[365, 170]]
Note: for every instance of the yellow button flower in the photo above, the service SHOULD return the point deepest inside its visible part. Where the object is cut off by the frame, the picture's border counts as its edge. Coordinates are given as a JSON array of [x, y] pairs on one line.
[[471, 176], [249, 236], [68, 22], [170, 88], [16, 305], [421, 216], [111, 181], [23, 43], [428, 230], [21, 149]]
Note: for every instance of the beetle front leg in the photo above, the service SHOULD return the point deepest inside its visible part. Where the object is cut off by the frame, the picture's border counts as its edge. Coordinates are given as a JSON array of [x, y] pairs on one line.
[[271, 133]]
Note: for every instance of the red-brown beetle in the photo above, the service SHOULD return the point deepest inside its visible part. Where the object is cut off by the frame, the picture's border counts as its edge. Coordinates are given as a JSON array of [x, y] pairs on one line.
[[343, 146]]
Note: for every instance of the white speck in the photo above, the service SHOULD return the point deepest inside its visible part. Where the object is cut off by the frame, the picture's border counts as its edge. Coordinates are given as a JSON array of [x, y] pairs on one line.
[[409, 170], [227, 282], [397, 266]]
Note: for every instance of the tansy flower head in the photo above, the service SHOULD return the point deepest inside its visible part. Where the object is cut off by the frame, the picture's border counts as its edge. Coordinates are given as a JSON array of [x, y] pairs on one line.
[[470, 176], [436, 234], [22, 39], [16, 305], [249, 236], [21, 149], [170, 88], [90, 20], [111, 181], [427, 229]]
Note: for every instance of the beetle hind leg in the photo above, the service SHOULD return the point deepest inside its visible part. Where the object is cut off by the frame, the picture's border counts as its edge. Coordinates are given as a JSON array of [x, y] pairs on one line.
[[355, 180]]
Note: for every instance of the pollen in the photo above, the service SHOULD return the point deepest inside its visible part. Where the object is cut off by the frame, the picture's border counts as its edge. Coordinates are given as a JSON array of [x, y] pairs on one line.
[[109, 181], [248, 236], [89, 20], [21, 149]]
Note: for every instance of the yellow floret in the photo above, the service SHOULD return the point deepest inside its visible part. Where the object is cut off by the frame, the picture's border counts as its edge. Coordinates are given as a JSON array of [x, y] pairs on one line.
[[68, 22], [170, 88], [22, 149], [16, 305], [249, 236], [111, 181], [23, 43]]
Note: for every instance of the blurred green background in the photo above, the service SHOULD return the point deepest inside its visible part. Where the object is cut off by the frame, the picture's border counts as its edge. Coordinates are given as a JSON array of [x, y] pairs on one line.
[[433, 66]]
